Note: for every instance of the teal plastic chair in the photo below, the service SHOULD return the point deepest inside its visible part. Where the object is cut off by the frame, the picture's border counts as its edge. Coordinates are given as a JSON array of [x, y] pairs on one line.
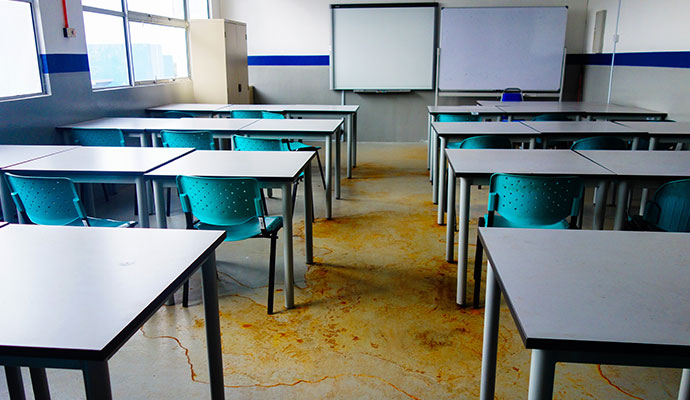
[[98, 137], [53, 201], [199, 140], [232, 205], [457, 118], [669, 210], [599, 143], [246, 114], [528, 201], [483, 142], [551, 117], [178, 114], [271, 115]]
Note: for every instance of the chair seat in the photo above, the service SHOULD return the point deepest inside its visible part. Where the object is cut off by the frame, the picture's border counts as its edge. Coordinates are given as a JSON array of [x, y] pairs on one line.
[[243, 231], [103, 223], [500, 222], [303, 147]]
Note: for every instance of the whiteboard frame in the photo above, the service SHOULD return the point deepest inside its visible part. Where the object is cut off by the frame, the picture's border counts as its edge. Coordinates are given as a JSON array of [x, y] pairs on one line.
[[434, 78]]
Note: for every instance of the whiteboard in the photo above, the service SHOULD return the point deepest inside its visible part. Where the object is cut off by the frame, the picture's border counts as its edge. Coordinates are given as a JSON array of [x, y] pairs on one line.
[[383, 46], [493, 48]]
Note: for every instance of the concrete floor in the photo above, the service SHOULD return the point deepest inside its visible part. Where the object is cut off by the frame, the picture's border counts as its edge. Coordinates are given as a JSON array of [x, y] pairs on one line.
[[375, 316]]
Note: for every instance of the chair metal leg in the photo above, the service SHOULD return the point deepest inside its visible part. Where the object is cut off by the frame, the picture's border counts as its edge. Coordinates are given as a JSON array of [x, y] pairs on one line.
[[478, 267], [271, 273], [168, 202], [185, 294], [294, 196], [15, 385]]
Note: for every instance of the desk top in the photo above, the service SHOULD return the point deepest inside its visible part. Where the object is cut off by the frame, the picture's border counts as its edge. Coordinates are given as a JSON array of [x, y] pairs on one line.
[[306, 108], [591, 128], [157, 124], [262, 165], [542, 107], [624, 163], [660, 127], [482, 128], [484, 162], [473, 110], [202, 107], [16, 154], [616, 109], [102, 160], [628, 292], [80, 293], [316, 126]]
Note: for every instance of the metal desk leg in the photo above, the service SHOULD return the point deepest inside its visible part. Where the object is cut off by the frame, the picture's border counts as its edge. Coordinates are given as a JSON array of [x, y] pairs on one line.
[[329, 177], [97, 380], [428, 145], [89, 198], [600, 205], [441, 180], [684, 392], [287, 245], [308, 216], [645, 191], [463, 224], [39, 383], [434, 166], [621, 204], [532, 143], [209, 288], [337, 166], [450, 226], [541, 372], [159, 203], [145, 140], [354, 140], [142, 202], [490, 346], [15, 384], [348, 120]]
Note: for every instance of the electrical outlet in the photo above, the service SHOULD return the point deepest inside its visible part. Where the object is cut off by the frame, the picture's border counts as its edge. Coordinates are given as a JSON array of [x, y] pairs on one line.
[[69, 32]]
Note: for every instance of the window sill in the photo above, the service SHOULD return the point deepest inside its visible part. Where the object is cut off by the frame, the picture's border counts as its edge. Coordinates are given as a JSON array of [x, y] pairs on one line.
[[25, 97]]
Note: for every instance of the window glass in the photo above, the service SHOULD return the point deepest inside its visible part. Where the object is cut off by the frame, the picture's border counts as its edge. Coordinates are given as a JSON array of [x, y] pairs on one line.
[[114, 5], [165, 8], [158, 52], [19, 71], [198, 9], [105, 42]]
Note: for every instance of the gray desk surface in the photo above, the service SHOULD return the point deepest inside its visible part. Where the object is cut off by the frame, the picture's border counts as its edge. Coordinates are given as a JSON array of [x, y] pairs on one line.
[[316, 108], [483, 128], [75, 293], [157, 124], [202, 107], [263, 165], [15, 154], [594, 108], [668, 164], [542, 107], [103, 160], [591, 128], [474, 110], [660, 127], [565, 298], [306, 126], [467, 162]]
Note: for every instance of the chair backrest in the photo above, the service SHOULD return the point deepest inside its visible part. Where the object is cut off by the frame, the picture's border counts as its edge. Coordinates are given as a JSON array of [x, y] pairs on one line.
[[457, 118], [246, 114], [178, 114], [483, 142], [534, 200], [98, 137], [670, 208], [243, 143], [551, 117], [511, 94], [220, 201], [599, 143], [271, 115], [45, 200], [200, 140]]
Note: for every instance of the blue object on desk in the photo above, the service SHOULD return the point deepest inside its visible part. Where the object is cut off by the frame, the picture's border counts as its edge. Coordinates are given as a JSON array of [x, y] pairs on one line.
[[511, 94]]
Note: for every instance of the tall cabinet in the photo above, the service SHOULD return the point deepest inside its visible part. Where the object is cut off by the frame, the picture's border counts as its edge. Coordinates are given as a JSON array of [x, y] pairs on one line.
[[218, 51]]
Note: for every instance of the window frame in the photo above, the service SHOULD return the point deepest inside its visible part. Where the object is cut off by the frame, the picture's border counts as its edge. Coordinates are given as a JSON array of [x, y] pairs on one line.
[[38, 35]]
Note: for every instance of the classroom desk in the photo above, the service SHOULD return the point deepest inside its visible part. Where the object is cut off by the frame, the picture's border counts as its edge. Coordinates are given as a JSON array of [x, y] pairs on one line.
[[200, 109], [475, 167], [105, 165], [15, 154], [577, 109], [660, 131], [76, 295], [641, 167], [448, 131], [574, 130], [593, 306], [272, 168]]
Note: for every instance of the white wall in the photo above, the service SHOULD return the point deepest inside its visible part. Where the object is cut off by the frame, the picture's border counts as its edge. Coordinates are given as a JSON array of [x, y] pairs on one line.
[[645, 26]]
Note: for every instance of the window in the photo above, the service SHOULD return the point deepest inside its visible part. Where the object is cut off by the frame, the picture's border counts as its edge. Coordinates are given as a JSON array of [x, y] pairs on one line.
[[146, 43], [20, 71]]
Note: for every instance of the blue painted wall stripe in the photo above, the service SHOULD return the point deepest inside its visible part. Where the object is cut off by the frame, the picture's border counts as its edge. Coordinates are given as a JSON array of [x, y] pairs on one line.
[[663, 59], [60, 63], [288, 60]]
